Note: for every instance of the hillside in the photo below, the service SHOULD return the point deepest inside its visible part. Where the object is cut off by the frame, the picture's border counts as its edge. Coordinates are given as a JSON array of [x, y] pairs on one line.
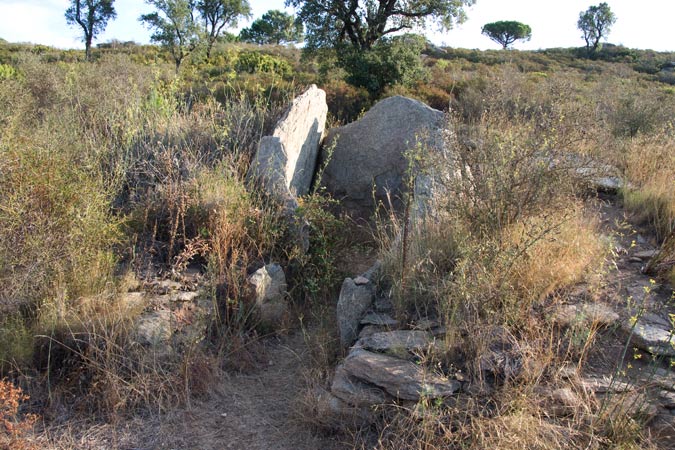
[[511, 289]]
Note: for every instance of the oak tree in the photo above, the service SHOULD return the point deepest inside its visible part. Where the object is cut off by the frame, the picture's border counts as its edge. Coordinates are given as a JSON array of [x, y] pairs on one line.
[[218, 15], [274, 27], [175, 27], [361, 23], [92, 16], [595, 23]]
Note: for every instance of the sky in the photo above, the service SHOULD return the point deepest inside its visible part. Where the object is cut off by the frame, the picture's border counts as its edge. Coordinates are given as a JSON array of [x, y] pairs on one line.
[[646, 24]]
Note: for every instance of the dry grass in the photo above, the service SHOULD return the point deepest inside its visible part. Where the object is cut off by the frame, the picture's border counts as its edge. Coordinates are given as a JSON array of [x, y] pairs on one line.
[[107, 170], [508, 239], [566, 255], [650, 166]]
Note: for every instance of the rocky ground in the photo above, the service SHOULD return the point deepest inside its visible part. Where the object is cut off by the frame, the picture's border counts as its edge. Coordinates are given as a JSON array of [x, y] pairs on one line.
[[263, 408]]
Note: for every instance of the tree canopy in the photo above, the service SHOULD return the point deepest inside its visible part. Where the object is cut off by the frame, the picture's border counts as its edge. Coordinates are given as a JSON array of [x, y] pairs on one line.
[[219, 14], [274, 27], [362, 22], [595, 23], [506, 32], [92, 16], [174, 27]]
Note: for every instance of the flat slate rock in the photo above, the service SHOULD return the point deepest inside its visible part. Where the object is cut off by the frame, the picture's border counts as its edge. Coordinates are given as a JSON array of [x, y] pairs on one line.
[[411, 341], [399, 378], [645, 254], [653, 334], [606, 385], [380, 319], [589, 313], [356, 392]]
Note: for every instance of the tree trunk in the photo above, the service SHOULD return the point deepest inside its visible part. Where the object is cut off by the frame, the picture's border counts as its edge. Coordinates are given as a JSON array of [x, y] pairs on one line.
[[209, 46], [87, 47]]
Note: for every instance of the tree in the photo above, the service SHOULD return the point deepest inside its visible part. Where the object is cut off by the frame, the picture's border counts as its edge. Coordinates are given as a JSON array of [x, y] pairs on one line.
[[274, 27], [595, 23], [219, 14], [92, 16], [506, 32], [361, 23], [175, 27]]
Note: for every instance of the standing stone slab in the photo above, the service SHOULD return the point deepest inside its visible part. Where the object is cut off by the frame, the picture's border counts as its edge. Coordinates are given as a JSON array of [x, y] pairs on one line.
[[285, 161], [270, 289], [372, 151], [352, 305], [154, 329]]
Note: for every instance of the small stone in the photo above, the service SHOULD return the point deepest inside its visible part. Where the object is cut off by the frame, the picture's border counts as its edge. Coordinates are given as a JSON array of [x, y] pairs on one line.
[[425, 324], [586, 313], [600, 313], [185, 296], [360, 281], [166, 286], [645, 255], [370, 330], [330, 411], [605, 385], [270, 288], [607, 184], [564, 402], [667, 399], [400, 343], [154, 328], [380, 319]]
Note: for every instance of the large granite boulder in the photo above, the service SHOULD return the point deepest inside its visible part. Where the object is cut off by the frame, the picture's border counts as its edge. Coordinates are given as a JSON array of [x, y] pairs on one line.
[[369, 155], [285, 162]]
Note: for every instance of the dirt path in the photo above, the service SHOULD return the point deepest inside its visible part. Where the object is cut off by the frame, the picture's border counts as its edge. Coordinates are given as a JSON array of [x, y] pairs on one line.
[[257, 410], [253, 411]]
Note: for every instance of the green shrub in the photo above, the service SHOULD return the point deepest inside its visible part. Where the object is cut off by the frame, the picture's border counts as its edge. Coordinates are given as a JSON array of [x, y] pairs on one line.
[[255, 62], [391, 61], [8, 72]]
